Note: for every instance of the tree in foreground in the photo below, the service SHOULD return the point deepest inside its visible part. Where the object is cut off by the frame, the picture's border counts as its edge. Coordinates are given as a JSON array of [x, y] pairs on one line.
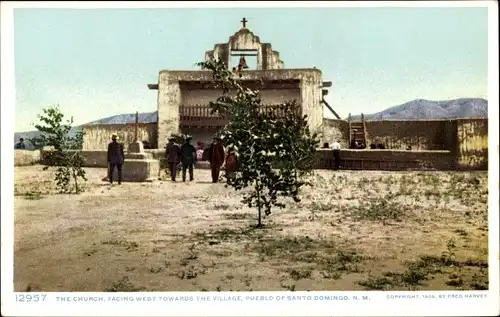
[[65, 149], [275, 148]]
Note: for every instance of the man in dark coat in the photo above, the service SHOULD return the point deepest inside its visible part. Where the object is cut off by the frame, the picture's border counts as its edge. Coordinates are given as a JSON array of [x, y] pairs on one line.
[[173, 156], [20, 145], [216, 158], [116, 158], [188, 158]]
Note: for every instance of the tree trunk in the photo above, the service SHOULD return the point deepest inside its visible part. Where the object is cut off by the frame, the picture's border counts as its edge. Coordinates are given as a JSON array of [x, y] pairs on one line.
[[259, 206], [75, 178]]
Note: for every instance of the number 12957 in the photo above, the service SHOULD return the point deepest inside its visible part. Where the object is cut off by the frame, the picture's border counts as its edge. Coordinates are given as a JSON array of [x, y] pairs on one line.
[[28, 298]]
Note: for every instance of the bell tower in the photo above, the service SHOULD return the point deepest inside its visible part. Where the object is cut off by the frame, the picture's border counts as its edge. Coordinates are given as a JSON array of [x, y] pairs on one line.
[[245, 44]]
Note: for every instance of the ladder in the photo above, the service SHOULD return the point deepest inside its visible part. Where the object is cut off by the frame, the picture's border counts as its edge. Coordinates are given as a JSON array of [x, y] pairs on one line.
[[357, 130]]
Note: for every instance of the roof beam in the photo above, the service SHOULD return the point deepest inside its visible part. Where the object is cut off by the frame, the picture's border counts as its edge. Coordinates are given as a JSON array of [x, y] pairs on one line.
[[325, 92]]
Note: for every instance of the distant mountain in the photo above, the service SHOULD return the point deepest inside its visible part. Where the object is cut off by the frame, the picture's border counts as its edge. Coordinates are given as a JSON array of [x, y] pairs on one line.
[[421, 109], [128, 118], [35, 134]]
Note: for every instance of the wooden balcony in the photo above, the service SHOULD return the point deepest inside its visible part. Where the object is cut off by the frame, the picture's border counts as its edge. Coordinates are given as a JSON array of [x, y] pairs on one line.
[[200, 116]]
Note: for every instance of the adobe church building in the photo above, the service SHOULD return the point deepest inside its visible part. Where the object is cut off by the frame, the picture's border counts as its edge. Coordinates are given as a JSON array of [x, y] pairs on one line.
[[184, 95]]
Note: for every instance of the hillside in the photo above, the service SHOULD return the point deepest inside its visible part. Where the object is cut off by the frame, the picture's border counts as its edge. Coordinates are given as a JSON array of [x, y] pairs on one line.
[[421, 109], [128, 118]]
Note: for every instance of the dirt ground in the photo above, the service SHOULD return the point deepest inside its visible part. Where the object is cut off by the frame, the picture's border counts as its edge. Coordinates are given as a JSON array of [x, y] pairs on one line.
[[354, 230]]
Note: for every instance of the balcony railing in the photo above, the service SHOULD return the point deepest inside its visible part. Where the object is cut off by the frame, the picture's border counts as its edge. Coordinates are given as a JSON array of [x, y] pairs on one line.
[[201, 116]]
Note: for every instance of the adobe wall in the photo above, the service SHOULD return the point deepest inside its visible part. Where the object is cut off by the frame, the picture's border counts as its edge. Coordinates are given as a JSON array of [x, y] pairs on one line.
[[26, 157], [472, 144], [465, 139], [98, 136], [310, 98], [268, 96], [333, 130], [419, 134]]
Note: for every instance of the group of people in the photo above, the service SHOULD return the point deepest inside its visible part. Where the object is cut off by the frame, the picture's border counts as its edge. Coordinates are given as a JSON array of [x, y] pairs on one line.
[[354, 145], [186, 156]]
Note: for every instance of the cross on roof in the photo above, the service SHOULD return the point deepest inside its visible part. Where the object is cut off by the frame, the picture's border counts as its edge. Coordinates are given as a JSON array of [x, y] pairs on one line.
[[244, 21]]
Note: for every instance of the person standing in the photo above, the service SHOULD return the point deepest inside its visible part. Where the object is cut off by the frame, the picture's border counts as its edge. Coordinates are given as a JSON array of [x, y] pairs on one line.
[[188, 158], [336, 154], [116, 158], [216, 158], [231, 163], [20, 145], [173, 155], [354, 144], [200, 147]]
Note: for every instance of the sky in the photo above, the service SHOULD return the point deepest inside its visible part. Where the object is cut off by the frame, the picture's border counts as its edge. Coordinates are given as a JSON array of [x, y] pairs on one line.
[[96, 63]]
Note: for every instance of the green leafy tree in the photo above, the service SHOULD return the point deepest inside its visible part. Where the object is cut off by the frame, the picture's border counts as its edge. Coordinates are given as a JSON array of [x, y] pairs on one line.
[[275, 147], [64, 149]]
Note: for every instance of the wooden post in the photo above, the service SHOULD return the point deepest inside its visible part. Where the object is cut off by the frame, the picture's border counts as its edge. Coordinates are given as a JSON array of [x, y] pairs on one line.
[[364, 130], [136, 126], [349, 123]]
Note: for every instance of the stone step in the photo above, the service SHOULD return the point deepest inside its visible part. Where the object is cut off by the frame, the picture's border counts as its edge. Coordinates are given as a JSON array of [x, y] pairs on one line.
[[138, 170], [138, 156]]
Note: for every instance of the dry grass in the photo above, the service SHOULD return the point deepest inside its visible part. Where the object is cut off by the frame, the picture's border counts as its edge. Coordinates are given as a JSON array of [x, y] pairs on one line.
[[352, 231]]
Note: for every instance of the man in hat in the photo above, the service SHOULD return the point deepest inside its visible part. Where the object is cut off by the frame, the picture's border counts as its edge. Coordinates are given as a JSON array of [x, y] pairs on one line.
[[116, 158], [20, 145], [216, 158], [173, 155], [188, 158]]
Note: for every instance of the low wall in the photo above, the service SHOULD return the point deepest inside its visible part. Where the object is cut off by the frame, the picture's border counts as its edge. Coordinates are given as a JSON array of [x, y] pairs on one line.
[[389, 160], [350, 159], [98, 136], [98, 158], [26, 157]]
